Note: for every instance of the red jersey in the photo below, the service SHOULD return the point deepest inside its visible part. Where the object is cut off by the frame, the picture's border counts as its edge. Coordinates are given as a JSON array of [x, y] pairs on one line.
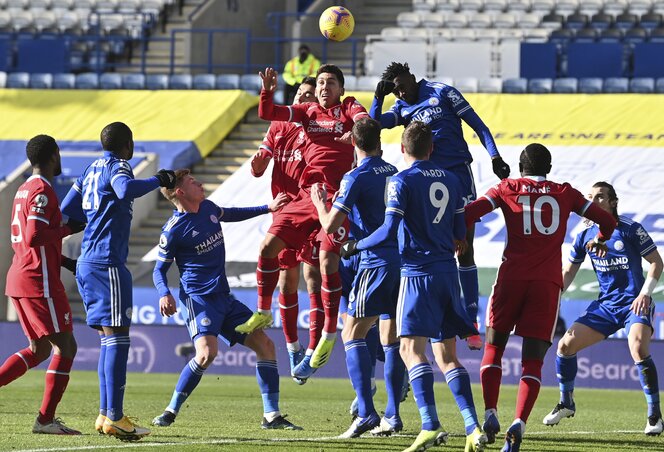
[[536, 212], [36, 235], [327, 160], [285, 142]]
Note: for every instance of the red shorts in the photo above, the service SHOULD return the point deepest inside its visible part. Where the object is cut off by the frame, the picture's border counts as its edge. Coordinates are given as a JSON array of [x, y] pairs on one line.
[[530, 306], [41, 317], [289, 258]]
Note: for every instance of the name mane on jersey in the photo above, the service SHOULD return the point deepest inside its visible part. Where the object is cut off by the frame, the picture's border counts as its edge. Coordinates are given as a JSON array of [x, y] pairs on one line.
[[531, 189], [210, 243], [429, 114], [607, 265], [432, 172]]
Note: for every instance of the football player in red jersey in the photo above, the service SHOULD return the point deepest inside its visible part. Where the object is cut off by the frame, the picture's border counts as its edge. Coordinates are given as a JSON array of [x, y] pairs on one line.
[[329, 156], [526, 295], [33, 283], [285, 144]]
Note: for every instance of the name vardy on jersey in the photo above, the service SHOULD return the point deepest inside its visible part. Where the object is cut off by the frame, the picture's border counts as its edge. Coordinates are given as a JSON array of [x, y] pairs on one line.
[[210, 243]]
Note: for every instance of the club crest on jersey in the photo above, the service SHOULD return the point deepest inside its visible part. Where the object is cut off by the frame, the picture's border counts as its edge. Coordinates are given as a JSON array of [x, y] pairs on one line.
[[214, 219], [128, 312], [205, 321], [619, 245], [337, 112], [41, 200], [454, 97], [163, 241], [433, 101], [67, 318], [643, 235]]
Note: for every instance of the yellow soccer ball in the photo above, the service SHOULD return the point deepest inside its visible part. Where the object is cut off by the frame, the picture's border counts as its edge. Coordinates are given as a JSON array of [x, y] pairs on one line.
[[336, 23]]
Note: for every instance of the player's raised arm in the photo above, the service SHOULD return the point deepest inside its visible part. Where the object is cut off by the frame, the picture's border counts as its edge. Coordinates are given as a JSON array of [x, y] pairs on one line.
[[266, 107], [125, 186], [389, 120], [234, 214]]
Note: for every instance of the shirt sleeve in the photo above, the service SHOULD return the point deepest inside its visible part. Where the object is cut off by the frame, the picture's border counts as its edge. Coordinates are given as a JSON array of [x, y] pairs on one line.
[[268, 141], [455, 100], [578, 252], [641, 239], [271, 112], [166, 248], [348, 191], [123, 182], [397, 197], [40, 229], [354, 109]]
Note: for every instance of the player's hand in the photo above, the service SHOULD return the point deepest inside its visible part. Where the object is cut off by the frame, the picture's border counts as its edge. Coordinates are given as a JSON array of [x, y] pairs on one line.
[[259, 162], [166, 178], [346, 138], [597, 246], [319, 194], [460, 246], [641, 305], [269, 79], [75, 226], [383, 88], [349, 249], [69, 264], [278, 202], [500, 168], [167, 306]]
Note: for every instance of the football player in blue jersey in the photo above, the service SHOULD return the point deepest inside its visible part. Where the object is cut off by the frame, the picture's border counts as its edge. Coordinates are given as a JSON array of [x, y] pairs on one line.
[[624, 301], [361, 198], [425, 214], [102, 197], [193, 238], [442, 107]]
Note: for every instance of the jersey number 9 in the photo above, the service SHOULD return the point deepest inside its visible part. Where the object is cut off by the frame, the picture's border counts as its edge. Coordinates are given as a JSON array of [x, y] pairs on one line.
[[439, 196]]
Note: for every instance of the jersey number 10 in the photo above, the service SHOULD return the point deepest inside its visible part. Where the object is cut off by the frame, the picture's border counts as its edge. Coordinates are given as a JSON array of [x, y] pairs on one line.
[[533, 214]]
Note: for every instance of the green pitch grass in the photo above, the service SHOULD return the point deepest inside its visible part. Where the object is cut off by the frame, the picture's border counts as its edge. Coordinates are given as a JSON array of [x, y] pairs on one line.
[[225, 413]]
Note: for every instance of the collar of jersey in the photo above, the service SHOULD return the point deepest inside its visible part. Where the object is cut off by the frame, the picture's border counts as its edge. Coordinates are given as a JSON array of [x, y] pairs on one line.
[[536, 178], [39, 176]]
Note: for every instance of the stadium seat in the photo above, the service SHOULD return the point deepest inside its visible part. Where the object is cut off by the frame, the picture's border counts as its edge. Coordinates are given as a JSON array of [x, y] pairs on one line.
[[635, 36], [184, 81], [22, 21], [565, 85], [251, 83], [490, 85], [657, 35], [625, 21], [203, 81], [87, 80], [463, 34], [616, 85], [519, 6], [67, 22], [417, 34], [639, 6], [643, 85], [41, 81], [110, 81], [133, 81], [97, 60], [43, 20], [106, 6], [62, 4], [650, 21], [552, 21], [18, 80], [128, 6], [540, 85], [659, 85], [3, 79], [479, 21], [471, 5], [367, 83], [495, 5], [506, 20], [350, 82], [610, 35], [510, 35], [586, 36], [562, 36], [528, 20], [576, 21], [457, 20], [424, 5], [543, 5], [515, 86], [447, 5], [615, 7], [601, 21], [590, 7], [440, 34], [488, 34], [228, 81], [156, 81], [392, 34], [536, 35], [408, 20], [433, 20], [566, 6], [64, 81], [590, 85], [466, 84]]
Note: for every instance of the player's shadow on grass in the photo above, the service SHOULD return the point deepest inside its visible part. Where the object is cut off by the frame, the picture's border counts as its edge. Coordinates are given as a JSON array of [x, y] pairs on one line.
[[615, 443]]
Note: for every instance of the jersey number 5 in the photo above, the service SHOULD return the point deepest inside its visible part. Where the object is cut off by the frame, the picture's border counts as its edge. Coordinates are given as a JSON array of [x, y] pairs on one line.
[[533, 214], [16, 226], [90, 194]]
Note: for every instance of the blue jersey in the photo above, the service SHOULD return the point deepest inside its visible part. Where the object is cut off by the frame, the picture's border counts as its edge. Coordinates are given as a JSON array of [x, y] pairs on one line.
[[106, 236], [428, 199], [441, 107], [362, 198], [619, 273]]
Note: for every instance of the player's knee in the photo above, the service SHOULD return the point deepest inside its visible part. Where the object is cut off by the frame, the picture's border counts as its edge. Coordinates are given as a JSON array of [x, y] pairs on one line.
[[41, 349], [638, 349], [206, 356], [566, 346]]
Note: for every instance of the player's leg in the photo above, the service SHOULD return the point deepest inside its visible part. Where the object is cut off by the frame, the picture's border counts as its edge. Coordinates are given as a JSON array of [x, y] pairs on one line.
[[639, 347], [289, 279], [330, 294], [312, 277]]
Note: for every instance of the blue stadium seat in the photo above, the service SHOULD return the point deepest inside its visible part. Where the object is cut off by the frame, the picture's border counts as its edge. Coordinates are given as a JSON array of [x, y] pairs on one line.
[[586, 36], [576, 21], [616, 85], [659, 85], [648, 60], [41, 81], [110, 81], [601, 21], [540, 85], [97, 60], [133, 81], [552, 21], [590, 85], [538, 60], [18, 80], [203, 81], [562, 36], [643, 85], [515, 86], [180, 81], [657, 35], [156, 81], [64, 81], [250, 82], [625, 21], [228, 81], [635, 36], [594, 60], [565, 85], [87, 80], [650, 21], [610, 35]]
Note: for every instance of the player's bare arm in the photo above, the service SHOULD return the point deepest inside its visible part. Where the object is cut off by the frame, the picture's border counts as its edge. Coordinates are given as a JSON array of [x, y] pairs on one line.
[[330, 219], [278, 202], [269, 79], [641, 304], [570, 269]]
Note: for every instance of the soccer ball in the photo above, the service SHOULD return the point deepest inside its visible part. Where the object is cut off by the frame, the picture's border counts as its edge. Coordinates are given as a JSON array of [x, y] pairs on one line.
[[336, 23]]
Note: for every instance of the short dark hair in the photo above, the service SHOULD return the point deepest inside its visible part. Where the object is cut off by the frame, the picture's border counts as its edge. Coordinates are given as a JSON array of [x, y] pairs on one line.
[[394, 70], [311, 81], [169, 193], [535, 160], [613, 196], [304, 47], [40, 149], [115, 136], [331, 69], [417, 139], [366, 133]]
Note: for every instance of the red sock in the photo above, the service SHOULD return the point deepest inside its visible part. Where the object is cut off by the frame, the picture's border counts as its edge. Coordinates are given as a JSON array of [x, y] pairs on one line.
[[288, 310], [16, 365], [316, 319], [491, 372], [267, 277], [529, 387], [57, 377], [331, 295]]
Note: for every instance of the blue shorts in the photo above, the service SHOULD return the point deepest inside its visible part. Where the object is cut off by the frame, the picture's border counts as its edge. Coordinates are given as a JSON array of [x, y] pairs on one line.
[[467, 182], [375, 291], [347, 270], [215, 314], [431, 306], [608, 319], [106, 293]]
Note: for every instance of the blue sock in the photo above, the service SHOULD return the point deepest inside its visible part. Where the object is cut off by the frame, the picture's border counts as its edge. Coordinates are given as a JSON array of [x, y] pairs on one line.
[[115, 371], [470, 289], [102, 376], [566, 368], [421, 379], [267, 376], [373, 344], [459, 382], [359, 370], [189, 378], [395, 370], [650, 385]]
